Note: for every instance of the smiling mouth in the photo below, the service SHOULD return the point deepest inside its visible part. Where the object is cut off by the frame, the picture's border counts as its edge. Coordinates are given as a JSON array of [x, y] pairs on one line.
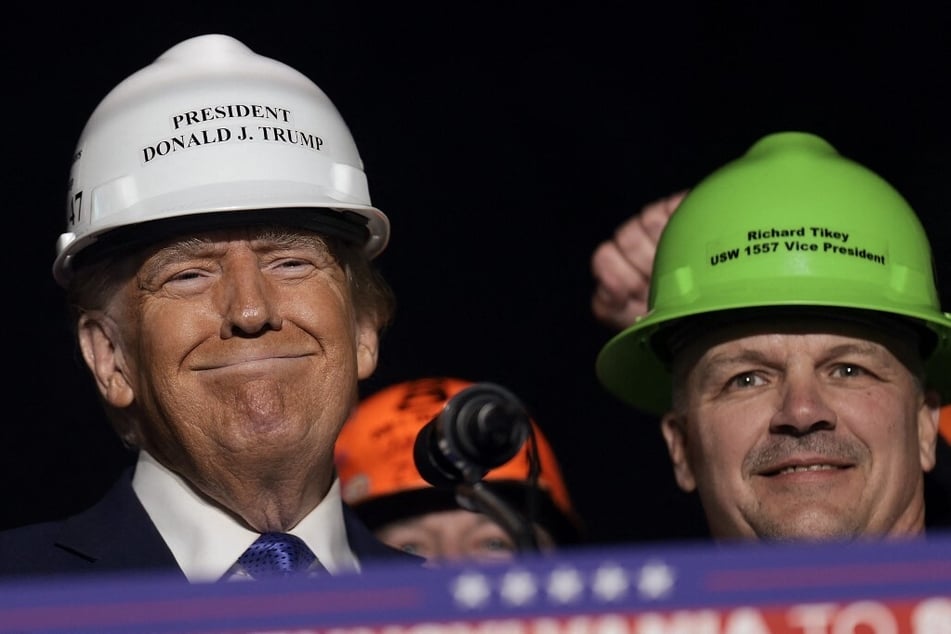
[[803, 469], [232, 363], [800, 469]]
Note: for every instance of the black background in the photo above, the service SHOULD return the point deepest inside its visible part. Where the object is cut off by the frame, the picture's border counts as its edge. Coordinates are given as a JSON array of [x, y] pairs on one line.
[[504, 142]]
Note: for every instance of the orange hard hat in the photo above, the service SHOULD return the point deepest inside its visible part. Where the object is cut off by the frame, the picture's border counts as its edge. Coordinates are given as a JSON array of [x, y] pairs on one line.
[[374, 454], [944, 424]]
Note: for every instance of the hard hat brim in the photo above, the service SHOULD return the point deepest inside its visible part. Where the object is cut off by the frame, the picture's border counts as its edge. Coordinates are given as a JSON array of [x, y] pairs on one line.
[[351, 226], [632, 366]]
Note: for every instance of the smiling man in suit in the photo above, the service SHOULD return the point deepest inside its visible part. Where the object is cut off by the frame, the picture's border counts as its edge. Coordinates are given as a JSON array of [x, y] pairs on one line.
[[218, 259]]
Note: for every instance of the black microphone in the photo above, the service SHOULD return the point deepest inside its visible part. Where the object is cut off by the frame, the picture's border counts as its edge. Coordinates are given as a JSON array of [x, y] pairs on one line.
[[480, 428]]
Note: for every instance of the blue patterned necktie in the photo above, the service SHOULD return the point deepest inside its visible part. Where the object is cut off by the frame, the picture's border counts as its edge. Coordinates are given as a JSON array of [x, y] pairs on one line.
[[277, 555]]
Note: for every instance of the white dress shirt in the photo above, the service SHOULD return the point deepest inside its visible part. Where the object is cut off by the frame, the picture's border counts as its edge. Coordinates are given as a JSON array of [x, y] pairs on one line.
[[206, 540]]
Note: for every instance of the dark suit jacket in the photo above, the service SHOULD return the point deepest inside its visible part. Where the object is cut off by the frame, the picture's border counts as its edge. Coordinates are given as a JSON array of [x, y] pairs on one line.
[[117, 536]]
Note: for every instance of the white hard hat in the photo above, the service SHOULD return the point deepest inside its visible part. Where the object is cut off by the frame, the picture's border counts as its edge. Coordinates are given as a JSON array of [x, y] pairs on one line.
[[213, 134]]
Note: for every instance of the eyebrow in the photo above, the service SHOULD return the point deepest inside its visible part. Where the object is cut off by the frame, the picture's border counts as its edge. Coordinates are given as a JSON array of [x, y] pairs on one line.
[[863, 348], [185, 248], [201, 246]]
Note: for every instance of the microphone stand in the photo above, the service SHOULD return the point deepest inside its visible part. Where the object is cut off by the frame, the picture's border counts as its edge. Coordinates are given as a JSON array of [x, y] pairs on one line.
[[475, 496]]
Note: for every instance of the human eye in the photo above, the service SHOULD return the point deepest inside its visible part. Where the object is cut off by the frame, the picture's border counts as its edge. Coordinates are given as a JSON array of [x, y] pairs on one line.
[[292, 265], [497, 544], [177, 279], [490, 547], [849, 370], [413, 548], [746, 380], [178, 267], [421, 547], [409, 539], [291, 253], [185, 276]]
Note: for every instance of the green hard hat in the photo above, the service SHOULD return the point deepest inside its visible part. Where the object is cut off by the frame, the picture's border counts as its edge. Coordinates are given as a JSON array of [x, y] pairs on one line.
[[791, 223]]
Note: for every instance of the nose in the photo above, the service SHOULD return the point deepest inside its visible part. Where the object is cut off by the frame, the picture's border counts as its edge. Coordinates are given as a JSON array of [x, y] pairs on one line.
[[804, 407], [249, 306]]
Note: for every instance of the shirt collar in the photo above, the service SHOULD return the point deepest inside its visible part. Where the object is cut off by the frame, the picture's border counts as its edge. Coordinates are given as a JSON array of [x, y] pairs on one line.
[[206, 540]]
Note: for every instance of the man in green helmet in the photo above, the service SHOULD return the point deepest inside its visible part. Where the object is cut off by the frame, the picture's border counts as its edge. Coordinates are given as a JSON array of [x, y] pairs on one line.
[[794, 348]]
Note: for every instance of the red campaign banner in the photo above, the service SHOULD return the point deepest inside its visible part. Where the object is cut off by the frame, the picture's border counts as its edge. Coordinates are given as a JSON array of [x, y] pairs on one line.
[[928, 616]]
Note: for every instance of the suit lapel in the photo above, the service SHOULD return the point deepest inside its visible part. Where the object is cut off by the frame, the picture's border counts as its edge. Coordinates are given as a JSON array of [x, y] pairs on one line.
[[117, 534]]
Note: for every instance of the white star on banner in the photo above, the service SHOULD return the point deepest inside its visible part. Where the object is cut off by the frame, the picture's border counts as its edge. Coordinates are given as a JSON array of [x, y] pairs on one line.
[[471, 590], [565, 585], [518, 587], [655, 580], [610, 582]]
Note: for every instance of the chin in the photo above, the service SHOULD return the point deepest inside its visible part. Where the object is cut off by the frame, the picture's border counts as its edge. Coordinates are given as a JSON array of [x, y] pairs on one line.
[[808, 526]]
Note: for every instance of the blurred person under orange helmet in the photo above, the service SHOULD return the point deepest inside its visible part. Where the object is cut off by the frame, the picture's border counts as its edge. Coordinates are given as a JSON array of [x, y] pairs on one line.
[[379, 479]]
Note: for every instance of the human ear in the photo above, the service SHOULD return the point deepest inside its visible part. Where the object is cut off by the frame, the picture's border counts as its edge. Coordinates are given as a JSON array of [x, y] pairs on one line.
[[673, 428], [929, 415], [101, 347], [368, 346]]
